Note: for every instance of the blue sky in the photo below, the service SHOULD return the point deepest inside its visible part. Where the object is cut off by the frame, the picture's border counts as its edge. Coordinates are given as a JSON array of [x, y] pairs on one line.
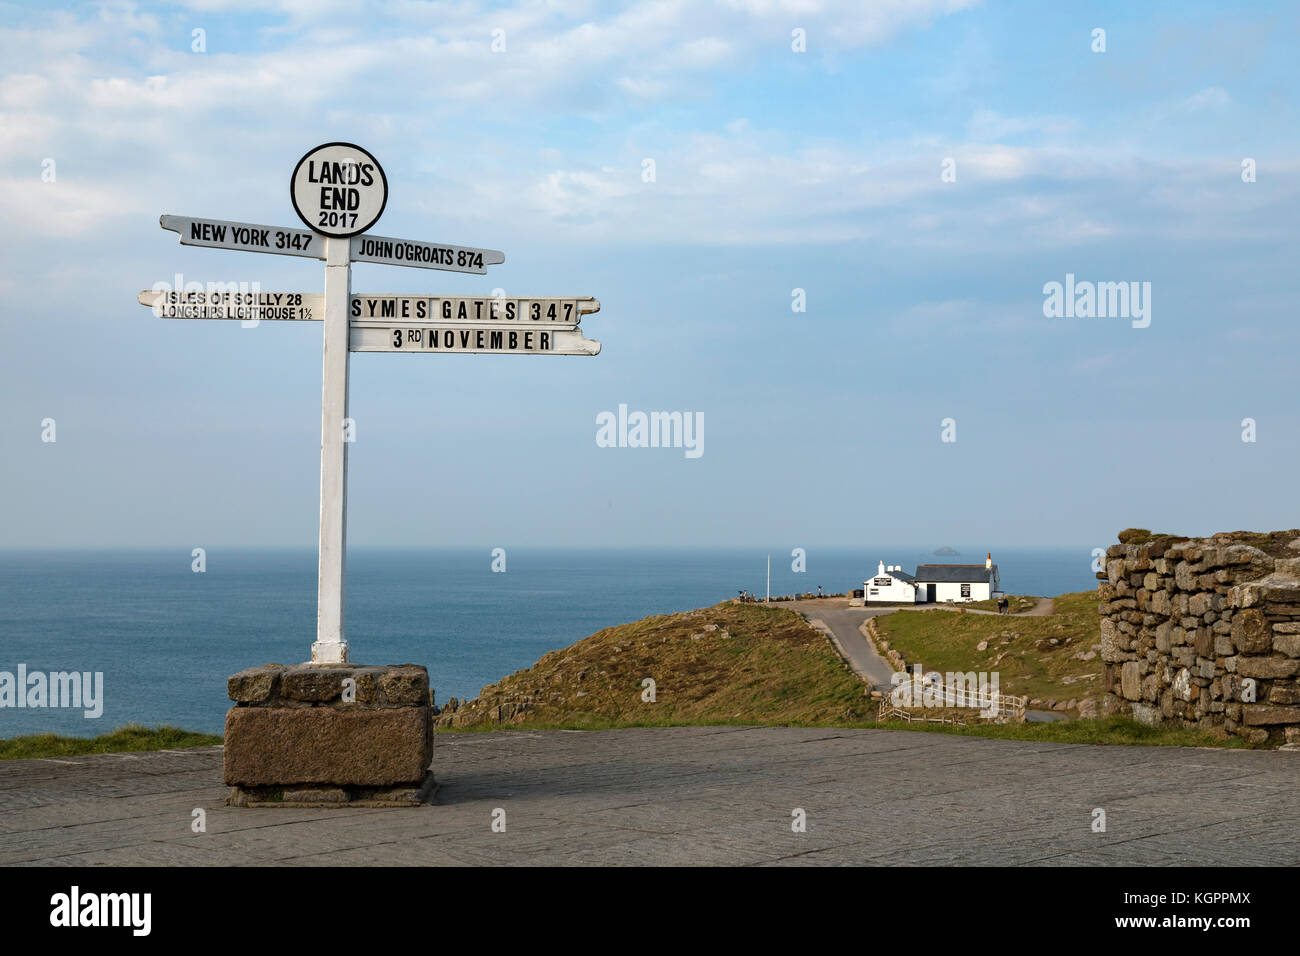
[[775, 170]]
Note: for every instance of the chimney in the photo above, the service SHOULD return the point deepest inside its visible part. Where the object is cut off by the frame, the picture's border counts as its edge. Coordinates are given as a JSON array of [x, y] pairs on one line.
[[988, 562], [881, 569]]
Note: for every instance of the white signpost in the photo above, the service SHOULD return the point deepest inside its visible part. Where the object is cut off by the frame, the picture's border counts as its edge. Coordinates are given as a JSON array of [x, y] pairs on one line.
[[339, 190]]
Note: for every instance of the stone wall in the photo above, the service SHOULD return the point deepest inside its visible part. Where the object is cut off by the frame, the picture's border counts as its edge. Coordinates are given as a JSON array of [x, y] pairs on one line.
[[1204, 632]]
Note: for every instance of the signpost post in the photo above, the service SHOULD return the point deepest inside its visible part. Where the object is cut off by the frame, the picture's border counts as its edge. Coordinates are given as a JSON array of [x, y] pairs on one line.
[[339, 191], [331, 647]]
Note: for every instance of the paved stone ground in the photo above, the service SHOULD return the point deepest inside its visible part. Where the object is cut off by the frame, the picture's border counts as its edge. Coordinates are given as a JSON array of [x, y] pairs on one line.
[[695, 795]]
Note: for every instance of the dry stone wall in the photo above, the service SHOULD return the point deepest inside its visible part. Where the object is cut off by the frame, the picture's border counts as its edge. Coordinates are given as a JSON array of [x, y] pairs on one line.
[[1204, 632]]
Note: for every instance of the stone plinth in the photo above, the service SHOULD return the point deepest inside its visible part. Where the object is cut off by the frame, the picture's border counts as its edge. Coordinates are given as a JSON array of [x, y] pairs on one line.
[[329, 735]]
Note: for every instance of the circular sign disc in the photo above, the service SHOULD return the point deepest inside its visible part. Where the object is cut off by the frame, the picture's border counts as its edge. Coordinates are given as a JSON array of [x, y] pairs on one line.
[[338, 189]]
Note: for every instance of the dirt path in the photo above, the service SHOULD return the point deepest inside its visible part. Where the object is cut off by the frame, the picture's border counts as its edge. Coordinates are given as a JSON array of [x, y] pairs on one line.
[[1043, 608]]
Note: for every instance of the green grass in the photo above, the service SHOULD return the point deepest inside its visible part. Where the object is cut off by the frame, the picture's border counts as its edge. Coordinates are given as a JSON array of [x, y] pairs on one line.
[[1100, 730], [727, 664], [1019, 602], [1020, 649], [590, 721], [124, 739], [1114, 731]]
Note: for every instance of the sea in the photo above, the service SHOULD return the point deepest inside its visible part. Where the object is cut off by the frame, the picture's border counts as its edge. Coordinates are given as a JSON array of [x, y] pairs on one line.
[[165, 636]]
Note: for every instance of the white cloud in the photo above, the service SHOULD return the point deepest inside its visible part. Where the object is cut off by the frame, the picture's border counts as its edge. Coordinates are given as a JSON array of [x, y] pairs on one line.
[[126, 15], [20, 131], [849, 24], [989, 125], [156, 123], [641, 87], [1210, 98], [61, 208], [996, 162], [1092, 364], [19, 90]]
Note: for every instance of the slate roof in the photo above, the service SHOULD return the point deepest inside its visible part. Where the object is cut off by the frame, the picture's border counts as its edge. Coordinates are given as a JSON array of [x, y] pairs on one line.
[[955, 574]]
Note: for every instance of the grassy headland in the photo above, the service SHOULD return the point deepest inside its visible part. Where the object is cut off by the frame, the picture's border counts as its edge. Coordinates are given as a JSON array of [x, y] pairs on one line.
[[124, 739], [748, 664], [730, 663]]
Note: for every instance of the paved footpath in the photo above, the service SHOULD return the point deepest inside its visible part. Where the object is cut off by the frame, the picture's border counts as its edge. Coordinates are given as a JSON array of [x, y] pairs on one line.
[[846, 625], [690, 795]]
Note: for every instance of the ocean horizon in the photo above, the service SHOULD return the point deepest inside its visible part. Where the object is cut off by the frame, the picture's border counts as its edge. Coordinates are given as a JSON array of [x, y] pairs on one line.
[[166, 637]]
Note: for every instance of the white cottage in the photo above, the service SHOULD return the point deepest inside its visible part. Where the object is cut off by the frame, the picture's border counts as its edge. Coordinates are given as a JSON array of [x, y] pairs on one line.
[[891, 585], [941, 583], [959, 583]]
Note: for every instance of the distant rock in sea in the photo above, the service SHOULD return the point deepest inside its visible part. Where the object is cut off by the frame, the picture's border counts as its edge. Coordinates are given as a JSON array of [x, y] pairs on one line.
[[945, 551]]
